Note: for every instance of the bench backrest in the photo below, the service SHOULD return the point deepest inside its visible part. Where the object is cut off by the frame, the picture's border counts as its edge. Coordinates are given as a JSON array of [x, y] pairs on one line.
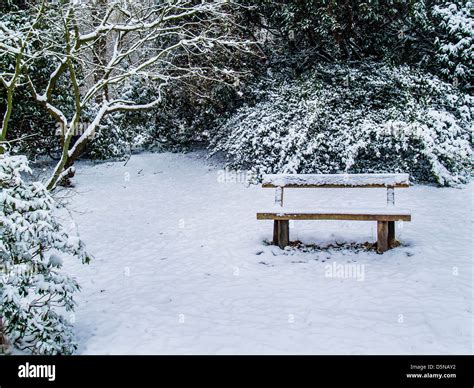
[[335, 180], [297, 181]]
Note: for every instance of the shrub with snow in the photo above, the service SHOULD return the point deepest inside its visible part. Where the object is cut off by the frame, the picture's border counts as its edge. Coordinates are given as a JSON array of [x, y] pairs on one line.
[[455, 45], [34, 293], [365, 118]]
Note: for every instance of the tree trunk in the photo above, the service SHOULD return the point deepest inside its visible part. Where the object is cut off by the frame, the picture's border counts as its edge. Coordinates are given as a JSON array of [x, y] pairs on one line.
[[99, 59], [99, 56], [3, 339]]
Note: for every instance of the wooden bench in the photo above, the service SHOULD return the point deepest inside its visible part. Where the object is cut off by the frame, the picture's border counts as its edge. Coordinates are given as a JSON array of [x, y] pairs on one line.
[[385, 216]]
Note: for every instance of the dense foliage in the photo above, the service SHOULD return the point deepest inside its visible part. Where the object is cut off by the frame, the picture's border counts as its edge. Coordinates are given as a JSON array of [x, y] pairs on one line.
[[455, 43], [431, 35], [360, 118], [434, 34]]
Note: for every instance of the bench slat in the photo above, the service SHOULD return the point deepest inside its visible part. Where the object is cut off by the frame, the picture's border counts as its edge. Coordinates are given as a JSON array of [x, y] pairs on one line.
[[381, 214], [346, 217], [335, 180]]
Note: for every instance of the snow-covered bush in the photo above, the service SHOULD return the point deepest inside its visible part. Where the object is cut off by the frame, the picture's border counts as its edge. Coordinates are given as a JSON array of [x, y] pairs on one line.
[[456, 44], [34, 293], [365, 118]]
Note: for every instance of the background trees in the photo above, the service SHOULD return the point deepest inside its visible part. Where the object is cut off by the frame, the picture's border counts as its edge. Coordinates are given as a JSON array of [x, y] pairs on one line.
[[357, 86], [213, 54], [418, 32]]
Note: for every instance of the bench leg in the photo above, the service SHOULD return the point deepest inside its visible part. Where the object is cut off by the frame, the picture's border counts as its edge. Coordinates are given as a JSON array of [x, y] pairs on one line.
[[382, 236], [275, 232], [391, 234], [283, 233]]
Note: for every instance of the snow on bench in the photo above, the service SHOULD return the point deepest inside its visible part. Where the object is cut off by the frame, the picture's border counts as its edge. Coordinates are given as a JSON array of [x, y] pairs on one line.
[[336, 180], [385, 216]]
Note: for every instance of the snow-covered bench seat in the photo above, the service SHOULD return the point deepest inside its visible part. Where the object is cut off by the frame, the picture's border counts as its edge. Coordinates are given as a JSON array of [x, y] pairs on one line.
[[384, 216]]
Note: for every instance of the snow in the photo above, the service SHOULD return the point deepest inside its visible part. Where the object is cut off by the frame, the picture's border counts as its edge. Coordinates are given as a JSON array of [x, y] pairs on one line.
[[283, 180], [55, 260], [181, 267]]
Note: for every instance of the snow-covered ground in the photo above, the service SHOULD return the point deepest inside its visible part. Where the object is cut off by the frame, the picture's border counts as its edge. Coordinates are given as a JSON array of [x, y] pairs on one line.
[[181, 267]]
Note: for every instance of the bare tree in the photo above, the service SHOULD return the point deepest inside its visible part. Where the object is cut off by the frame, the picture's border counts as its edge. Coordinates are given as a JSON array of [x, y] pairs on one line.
[[150, 40]]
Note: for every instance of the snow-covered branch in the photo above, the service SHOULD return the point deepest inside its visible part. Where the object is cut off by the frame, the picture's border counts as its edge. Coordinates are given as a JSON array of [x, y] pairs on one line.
[[99, 49]]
